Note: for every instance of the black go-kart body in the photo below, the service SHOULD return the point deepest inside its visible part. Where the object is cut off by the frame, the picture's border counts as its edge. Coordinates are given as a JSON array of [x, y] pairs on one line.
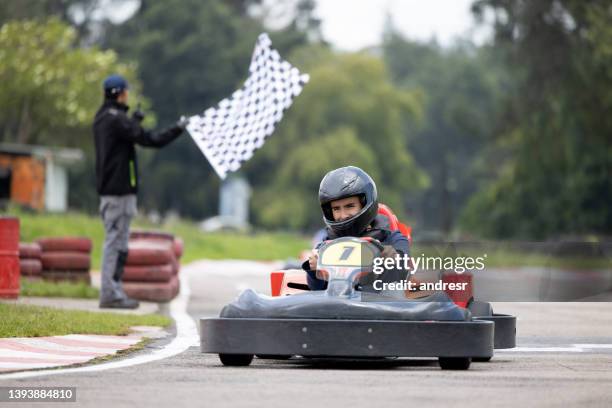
[[341, 322]]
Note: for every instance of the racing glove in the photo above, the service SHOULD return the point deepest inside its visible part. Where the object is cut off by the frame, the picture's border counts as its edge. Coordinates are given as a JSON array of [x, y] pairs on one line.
[[312, 260], [138, 115]]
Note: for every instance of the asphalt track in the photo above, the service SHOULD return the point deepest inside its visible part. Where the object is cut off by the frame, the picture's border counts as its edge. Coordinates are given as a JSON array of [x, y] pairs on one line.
[[563, 358]]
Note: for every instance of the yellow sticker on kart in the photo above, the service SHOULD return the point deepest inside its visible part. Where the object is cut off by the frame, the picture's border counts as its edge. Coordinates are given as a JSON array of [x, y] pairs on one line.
[[346, 253]]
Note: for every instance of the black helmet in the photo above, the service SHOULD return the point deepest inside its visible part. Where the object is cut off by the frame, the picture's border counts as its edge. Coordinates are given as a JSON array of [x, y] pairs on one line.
[[347, 182]]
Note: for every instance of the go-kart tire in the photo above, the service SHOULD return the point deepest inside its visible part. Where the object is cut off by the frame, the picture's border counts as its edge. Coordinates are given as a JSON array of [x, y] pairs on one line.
[[148, 273], [149, 253], [30, 267], [143, 234], [481, 359], [236, 360], [176, 266], [177, 243], [153, 291], [273, 356], [454, 363], [29, 250], [65, 261], [65, 244], [178, 246]]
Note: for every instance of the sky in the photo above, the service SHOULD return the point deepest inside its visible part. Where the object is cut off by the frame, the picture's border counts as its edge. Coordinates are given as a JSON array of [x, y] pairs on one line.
[[351, 25]]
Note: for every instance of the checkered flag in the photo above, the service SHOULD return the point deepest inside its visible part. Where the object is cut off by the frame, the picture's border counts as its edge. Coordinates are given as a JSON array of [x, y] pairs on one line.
[[230, 132]]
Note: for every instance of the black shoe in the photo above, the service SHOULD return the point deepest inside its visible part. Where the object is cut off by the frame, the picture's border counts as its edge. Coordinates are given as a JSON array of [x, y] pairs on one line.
[[126, 303]]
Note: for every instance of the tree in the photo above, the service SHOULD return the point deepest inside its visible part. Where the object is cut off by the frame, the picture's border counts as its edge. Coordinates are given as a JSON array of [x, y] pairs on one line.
[[460, 87], [556, 124], [50, 88], [348, 114], [85, 16], [37, 9], [191, 55]]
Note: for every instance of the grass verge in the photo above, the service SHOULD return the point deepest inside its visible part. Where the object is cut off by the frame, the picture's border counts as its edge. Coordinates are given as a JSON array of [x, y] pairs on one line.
[[259, 246], [37, 321], [40, 288]]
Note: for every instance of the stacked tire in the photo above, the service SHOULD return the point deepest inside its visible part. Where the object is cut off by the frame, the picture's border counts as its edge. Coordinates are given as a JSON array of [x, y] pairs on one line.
[[29, 260], [151, 272], [66, 259]]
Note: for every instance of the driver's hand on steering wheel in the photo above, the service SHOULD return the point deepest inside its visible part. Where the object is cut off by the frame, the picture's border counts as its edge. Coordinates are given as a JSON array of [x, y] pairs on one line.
[[312, 260]]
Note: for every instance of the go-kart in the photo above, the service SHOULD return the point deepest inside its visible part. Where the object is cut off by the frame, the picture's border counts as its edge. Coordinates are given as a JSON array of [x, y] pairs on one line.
[[347, 319], [288, 282]]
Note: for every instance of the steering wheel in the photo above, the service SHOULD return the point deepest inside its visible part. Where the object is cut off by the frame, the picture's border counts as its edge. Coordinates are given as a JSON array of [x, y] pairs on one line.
[[374, 242]]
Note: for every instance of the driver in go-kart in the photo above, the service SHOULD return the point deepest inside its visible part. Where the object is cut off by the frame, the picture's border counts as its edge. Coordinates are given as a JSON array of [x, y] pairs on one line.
[[349, 202]]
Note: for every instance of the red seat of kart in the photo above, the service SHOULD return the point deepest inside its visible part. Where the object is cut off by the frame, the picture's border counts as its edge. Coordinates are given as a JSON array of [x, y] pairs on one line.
[[394, 223], [279, 281], [461, 298]]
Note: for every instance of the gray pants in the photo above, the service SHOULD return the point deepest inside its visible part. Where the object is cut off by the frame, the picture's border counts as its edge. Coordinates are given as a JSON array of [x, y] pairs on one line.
[[117, 213]]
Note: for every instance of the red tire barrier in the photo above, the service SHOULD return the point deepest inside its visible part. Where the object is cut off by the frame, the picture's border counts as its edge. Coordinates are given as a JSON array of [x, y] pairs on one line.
[[179, 247], [30, 267], [149, 253], [9, 257], [176, 266], [75, 276], [152, 291], [65, 244], [65, 261], [144, 234], [29, 250], [153, 273]]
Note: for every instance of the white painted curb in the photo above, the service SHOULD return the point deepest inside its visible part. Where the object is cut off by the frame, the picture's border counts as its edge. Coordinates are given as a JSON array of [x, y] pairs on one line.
[[186, 336]]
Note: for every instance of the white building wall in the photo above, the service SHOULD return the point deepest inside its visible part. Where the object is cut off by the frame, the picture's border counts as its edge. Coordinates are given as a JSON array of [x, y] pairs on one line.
[[56, 187], [234, 199]]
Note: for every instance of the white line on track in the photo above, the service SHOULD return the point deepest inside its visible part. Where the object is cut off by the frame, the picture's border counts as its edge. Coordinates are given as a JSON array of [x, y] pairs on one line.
[[569, 348], [595, 346], [542, 350], [186, 336]]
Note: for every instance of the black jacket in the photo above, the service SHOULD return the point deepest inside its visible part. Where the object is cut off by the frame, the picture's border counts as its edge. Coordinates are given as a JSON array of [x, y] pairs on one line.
[[115, 135]]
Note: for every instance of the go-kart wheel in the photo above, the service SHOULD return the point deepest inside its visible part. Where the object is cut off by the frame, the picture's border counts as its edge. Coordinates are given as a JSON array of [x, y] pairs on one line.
[[454, 363], [236, 360], [273, 356], [481, 359]]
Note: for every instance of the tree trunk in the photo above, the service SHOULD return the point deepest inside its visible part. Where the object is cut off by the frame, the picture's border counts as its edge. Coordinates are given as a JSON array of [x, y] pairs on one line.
[[24, 128]]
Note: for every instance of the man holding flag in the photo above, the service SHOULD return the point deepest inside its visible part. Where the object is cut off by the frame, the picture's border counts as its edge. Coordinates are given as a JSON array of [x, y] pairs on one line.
[[115, 136]]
